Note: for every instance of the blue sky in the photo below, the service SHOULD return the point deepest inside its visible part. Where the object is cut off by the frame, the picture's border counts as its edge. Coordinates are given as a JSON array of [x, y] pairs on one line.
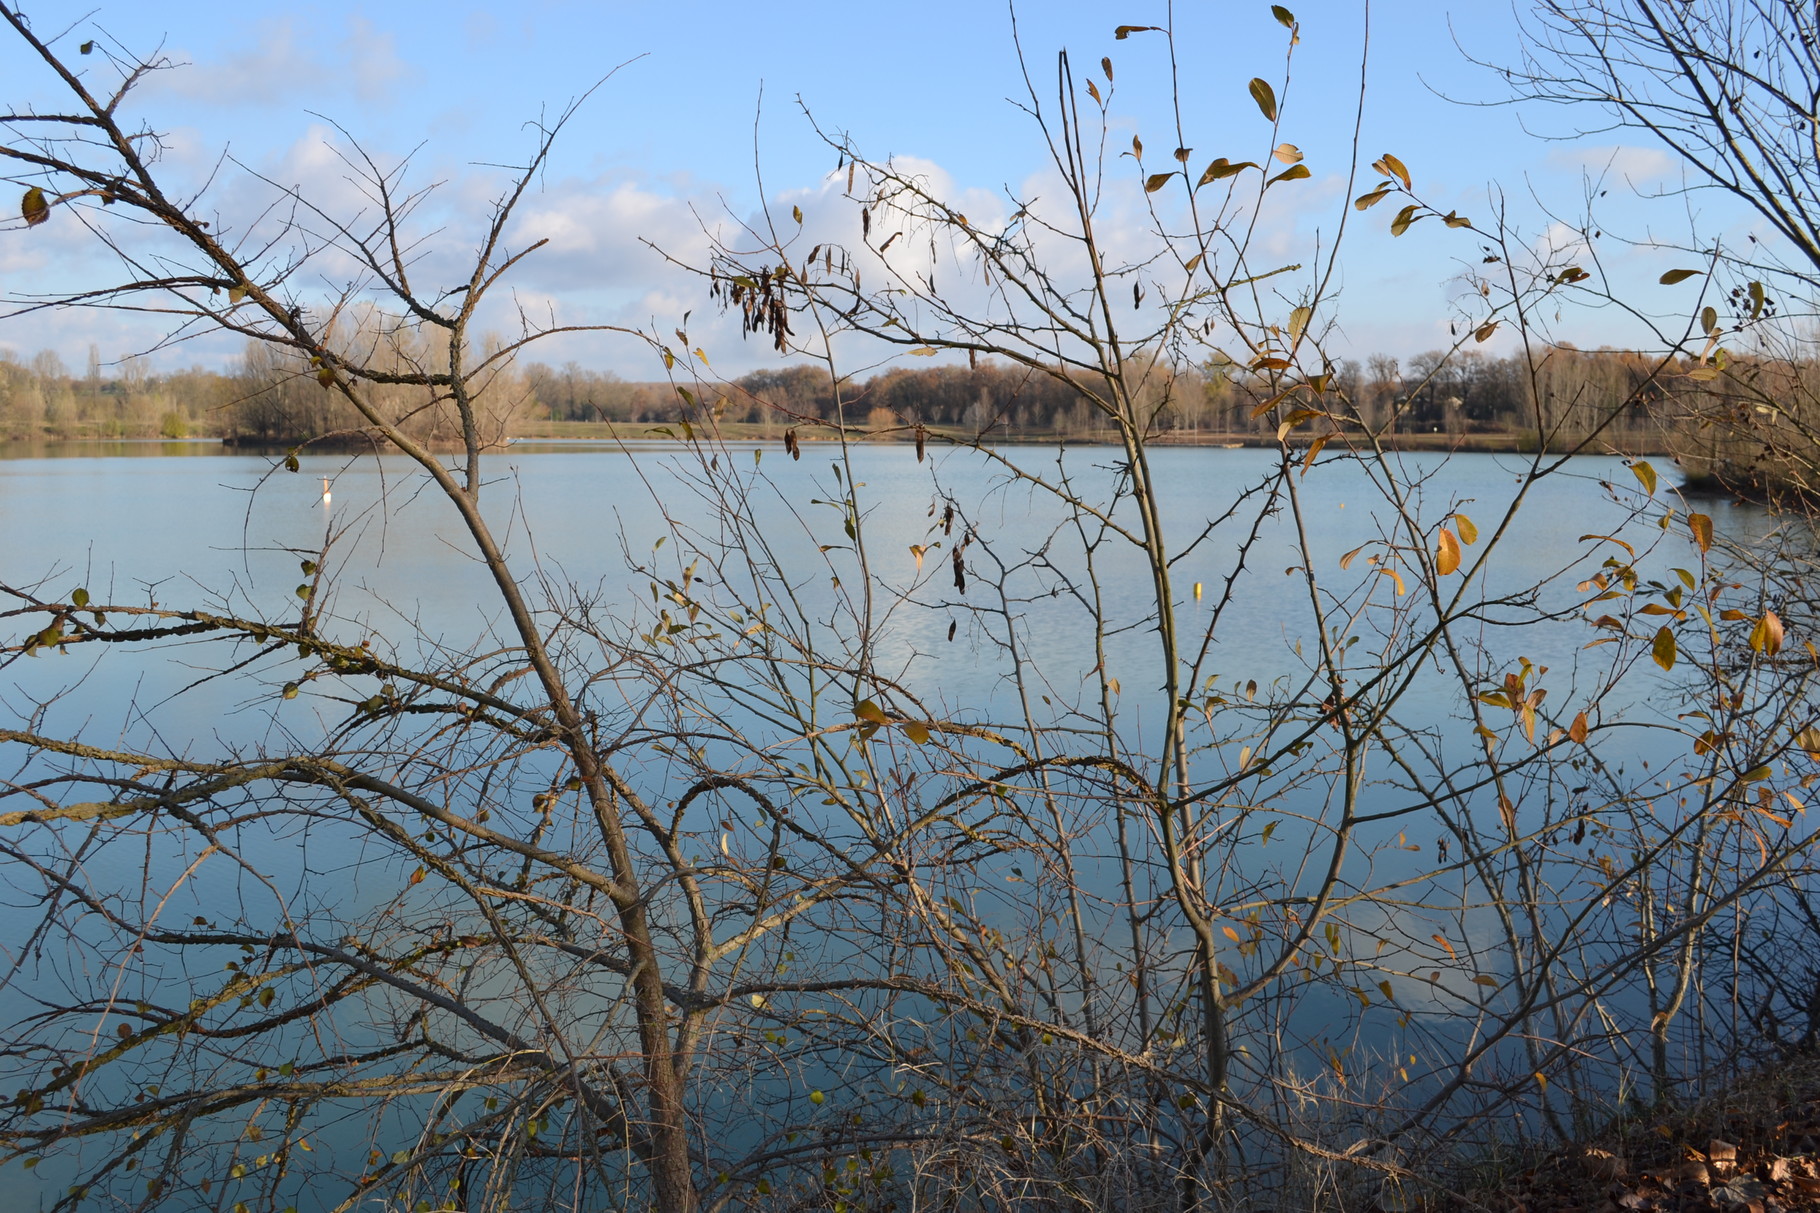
[[671, 141]]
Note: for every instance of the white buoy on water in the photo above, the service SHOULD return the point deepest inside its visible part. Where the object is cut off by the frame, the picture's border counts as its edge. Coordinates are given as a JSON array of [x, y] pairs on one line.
[[325, 490]]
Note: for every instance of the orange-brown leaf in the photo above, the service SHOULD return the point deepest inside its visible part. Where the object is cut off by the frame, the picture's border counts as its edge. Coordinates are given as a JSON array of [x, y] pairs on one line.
[[1702, 528], [1447, 555]]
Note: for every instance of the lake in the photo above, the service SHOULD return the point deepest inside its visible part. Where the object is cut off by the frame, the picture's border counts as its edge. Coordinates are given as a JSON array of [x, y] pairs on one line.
[[228, 528], [1053, 638]]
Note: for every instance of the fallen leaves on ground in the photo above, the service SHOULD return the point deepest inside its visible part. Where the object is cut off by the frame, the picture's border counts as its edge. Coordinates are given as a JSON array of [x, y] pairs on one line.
[[1753, 1149]]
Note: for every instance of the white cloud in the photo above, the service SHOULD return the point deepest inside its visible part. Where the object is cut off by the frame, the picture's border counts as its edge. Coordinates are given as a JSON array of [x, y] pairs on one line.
[[282, 64], [373, 63], [598, 269], [1559, 244], [273, 67], [594, 230], [1633, 166]]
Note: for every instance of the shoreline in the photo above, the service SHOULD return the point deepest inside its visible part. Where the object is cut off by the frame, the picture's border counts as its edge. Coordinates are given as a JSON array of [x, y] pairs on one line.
[[581, 435]]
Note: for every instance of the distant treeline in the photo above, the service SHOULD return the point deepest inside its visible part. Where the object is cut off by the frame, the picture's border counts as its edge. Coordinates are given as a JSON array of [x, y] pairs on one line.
[[41, 397], [1464, 393], [268, 398]]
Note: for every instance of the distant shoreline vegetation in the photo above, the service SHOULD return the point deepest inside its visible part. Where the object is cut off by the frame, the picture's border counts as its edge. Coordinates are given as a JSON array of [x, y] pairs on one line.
[[263, 404], [584, 435]]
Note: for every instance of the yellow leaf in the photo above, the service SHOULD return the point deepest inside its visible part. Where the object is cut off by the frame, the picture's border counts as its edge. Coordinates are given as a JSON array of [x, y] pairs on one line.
[[1612, 539], [923, 351], [34, 208], [1484, 331], [1646, 476], [1766, 637], [1223, 168], [1447, 557], [1390, 166], [1468, 532], [1405, 218], [1348, 557], [1266, 97], [1288, 153], [1314, 450], [1663, 650], [917, 731], [1230, 934], [1156, 181], [869, 712], [1394, 576], [1674, 276], [1298, 322], [1483, 980], [1284, 16]]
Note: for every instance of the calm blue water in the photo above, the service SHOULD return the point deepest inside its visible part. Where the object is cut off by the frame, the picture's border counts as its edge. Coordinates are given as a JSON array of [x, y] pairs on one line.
[[230, 531], [591, 531]]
